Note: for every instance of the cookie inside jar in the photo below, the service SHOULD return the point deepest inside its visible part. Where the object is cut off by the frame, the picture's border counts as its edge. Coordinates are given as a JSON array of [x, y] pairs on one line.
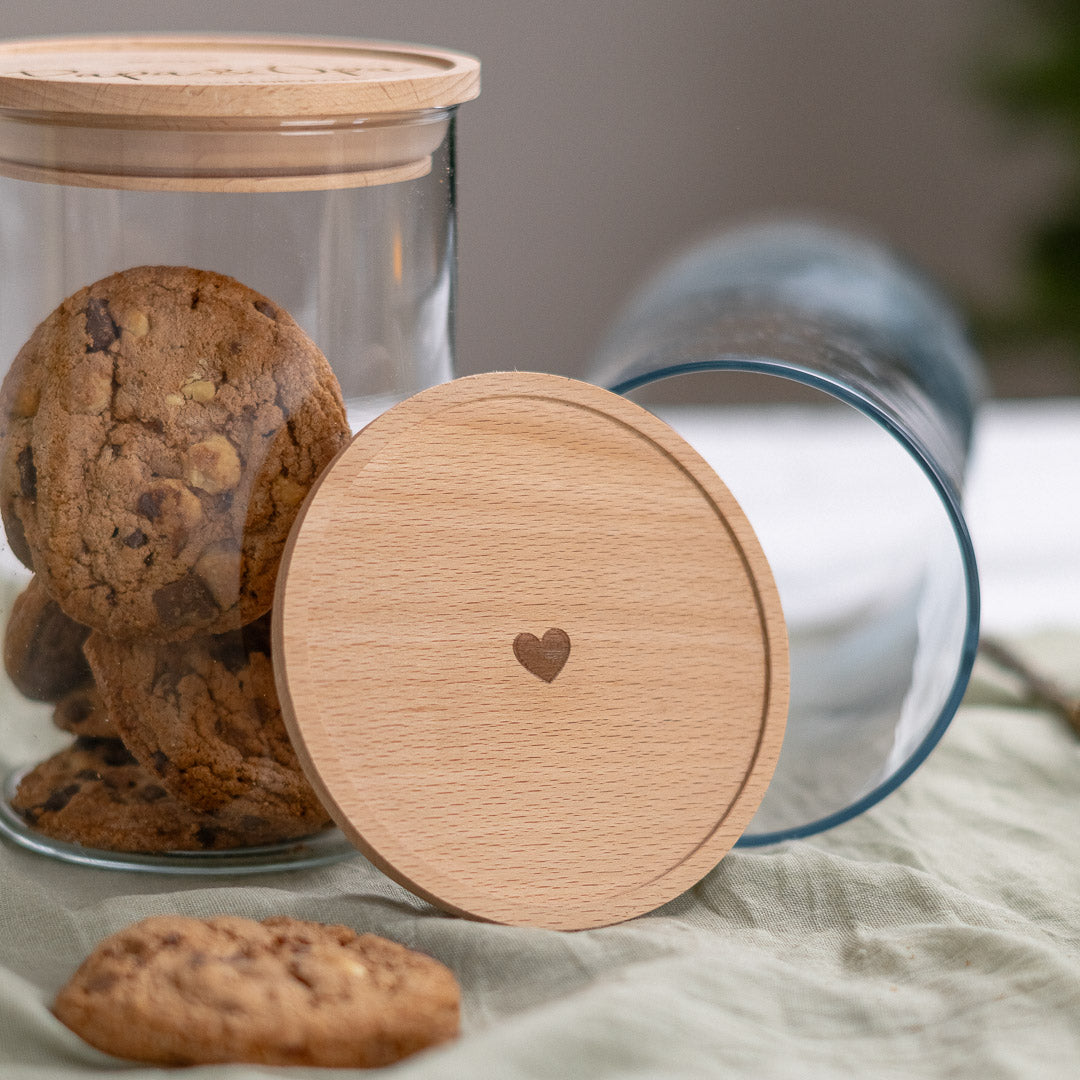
[[160, 430], [256, 239]]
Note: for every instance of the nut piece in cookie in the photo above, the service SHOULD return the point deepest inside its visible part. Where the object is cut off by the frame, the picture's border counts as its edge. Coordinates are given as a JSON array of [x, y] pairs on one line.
[[158, 432], [172, 990], [202, 716], [95, 794], [43, 653]]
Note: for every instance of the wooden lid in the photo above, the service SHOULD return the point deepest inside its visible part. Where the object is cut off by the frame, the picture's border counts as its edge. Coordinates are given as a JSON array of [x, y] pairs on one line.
[[530, 652], [222, 112], [230, 76]]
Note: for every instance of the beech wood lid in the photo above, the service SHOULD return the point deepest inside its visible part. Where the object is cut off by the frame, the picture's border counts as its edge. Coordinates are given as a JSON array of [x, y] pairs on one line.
[[230, 76], [222, 112], [530, 652]]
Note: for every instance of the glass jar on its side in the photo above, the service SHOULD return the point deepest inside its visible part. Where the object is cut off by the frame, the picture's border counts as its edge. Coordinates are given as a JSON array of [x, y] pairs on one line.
[[852, 482], [222, 257]]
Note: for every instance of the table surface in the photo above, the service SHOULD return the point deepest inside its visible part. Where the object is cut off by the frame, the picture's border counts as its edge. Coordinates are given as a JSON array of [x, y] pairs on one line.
[[1023, 508], [1021, 499]]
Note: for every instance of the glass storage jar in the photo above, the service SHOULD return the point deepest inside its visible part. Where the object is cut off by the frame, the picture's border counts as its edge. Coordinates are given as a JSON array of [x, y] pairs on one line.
[[853, 483], [221, 257]]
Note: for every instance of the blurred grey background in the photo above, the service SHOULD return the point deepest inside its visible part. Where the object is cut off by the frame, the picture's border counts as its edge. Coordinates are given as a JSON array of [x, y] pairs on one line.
[[610, 132]]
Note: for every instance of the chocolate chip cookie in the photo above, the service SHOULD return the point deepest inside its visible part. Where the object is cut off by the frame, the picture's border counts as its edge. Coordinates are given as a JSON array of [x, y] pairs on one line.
[[160, 430], [171, 990], [43, 653], [202, 716], [94, 793]]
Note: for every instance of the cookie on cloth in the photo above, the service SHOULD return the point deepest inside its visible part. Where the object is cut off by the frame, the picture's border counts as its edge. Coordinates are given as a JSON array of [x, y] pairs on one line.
[[158, 433], [172, 990]]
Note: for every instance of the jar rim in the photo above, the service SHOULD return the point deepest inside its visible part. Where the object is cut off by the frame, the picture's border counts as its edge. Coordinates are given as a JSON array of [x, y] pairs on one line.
[[213, 155]]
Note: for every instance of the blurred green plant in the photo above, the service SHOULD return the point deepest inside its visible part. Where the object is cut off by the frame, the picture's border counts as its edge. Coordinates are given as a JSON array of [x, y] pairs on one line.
[[1034, 78]]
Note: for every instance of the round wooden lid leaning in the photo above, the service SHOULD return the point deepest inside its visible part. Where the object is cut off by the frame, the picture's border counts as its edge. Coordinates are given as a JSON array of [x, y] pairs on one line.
[[531, 653]]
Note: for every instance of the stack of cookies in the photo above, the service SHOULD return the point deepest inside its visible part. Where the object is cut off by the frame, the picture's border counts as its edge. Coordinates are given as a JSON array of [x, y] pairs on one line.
[[158, 433]]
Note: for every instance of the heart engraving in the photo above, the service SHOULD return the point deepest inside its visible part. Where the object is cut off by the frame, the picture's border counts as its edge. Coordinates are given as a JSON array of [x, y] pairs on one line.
[[545, 657]]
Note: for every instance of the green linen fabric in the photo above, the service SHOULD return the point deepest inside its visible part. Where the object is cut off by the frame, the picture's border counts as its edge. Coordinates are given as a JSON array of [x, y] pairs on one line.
[[937, 935]]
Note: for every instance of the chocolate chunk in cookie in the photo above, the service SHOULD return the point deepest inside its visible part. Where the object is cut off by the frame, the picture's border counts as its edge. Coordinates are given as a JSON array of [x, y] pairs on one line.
[[172, 990], [43, 653], [100, 327], [159, 433], [94, 793], [202, 716], [82, 712]]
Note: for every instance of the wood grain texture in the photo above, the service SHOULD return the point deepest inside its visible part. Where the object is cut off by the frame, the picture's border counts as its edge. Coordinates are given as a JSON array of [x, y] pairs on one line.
[[225, 113], [230, 76], [511, 504]]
